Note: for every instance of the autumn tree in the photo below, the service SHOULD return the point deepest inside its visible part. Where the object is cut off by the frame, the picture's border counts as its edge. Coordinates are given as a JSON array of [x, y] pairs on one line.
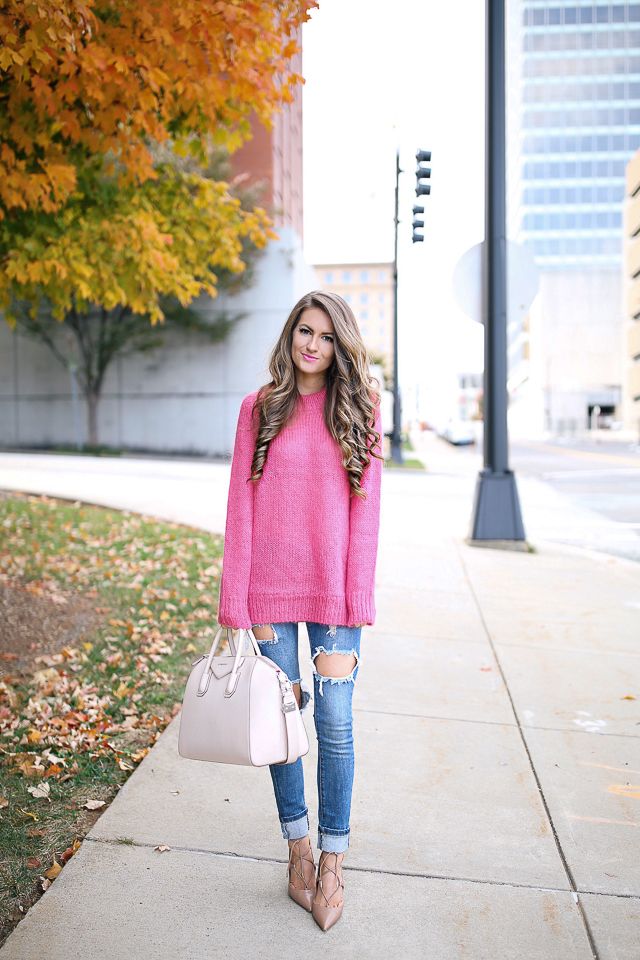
[[117, 269], [113, 121], [82, 78]]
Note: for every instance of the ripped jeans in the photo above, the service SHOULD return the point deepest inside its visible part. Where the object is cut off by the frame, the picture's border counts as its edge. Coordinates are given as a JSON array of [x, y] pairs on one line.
[[333, 721]]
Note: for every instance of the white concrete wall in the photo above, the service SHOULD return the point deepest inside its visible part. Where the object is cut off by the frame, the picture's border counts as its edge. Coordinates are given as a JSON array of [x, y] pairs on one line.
[[183, 397], [575, 336]]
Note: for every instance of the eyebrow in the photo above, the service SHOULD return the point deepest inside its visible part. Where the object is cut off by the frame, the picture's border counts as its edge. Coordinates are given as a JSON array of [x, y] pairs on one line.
[[303, 323]]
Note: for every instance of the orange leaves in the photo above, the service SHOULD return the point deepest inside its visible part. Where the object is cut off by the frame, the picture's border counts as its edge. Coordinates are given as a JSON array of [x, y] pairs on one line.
[[112, 77]]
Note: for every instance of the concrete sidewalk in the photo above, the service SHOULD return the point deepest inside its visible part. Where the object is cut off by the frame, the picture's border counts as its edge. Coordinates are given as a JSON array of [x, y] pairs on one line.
[[495, 808]]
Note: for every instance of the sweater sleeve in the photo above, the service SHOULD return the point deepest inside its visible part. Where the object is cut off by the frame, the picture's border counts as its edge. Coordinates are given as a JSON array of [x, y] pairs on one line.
[[364, 524], [233, 608]]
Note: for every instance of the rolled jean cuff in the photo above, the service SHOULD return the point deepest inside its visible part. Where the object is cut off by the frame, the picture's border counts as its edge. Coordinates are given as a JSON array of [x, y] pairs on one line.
[[333, 843], [295, 829]]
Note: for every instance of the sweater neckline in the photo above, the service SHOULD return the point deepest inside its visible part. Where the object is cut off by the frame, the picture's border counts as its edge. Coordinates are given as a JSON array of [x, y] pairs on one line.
[[313, 397]]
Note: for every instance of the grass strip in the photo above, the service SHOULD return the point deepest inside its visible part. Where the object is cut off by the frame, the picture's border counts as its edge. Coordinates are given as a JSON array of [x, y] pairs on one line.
[[76, 721]]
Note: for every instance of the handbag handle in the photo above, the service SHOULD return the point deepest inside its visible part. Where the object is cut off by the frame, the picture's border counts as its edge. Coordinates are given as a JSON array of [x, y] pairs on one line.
[[233, 679]]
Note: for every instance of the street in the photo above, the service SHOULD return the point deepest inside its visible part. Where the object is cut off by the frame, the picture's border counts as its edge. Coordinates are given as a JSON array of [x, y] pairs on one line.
[[594, 486]]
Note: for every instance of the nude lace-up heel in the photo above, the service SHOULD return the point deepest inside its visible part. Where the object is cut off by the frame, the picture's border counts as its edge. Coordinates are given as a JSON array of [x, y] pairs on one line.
[[305, 896], [323, 913]]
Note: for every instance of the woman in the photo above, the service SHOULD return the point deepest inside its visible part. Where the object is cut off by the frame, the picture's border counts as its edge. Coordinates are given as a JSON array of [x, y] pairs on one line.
[[301, 543]]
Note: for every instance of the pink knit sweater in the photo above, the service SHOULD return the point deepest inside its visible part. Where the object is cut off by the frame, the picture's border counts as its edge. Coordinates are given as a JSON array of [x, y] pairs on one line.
[[297, 548]]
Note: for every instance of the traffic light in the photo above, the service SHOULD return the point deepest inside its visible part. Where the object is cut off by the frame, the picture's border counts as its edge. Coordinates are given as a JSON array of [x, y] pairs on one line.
[[416, 224], [423, 173], [422, 190]]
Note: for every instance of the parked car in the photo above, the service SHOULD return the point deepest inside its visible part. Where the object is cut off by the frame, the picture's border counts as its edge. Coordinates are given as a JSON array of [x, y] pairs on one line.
[[458, 432]]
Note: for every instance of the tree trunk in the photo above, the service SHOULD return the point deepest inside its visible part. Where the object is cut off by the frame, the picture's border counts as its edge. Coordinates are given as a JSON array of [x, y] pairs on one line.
[[92, 417]]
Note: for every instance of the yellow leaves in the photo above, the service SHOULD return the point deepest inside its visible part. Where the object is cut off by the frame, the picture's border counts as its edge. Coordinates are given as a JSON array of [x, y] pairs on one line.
[[53, 871], [123, 691], [6, 58], [135, 246]]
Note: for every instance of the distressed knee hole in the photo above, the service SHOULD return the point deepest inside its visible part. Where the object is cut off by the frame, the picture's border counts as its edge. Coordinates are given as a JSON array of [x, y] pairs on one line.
[[265, 633], [334, 666]]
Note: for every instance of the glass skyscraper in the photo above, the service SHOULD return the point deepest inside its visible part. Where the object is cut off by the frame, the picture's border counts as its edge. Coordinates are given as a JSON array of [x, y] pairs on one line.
[[573, 122], [579, 100]]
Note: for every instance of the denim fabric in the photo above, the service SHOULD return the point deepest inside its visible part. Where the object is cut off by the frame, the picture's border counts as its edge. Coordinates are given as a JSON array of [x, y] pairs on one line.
[[333, 721]]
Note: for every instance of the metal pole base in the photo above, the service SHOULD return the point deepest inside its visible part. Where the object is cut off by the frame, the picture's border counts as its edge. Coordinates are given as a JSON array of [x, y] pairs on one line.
[[496, 509]]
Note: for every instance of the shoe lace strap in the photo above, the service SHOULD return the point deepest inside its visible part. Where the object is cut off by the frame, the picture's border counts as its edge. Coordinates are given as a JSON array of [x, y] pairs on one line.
[[295, 859], [324, 868]]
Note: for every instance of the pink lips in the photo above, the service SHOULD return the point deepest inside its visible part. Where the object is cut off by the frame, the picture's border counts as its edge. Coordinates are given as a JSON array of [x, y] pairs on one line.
[[307, 357]]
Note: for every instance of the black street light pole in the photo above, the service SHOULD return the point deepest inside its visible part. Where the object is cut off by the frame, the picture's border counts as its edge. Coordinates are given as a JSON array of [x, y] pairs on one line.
[[496, 508], [396, 442]]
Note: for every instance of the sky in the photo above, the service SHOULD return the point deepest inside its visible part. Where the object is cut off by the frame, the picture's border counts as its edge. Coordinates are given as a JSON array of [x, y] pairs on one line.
[[406, 75]]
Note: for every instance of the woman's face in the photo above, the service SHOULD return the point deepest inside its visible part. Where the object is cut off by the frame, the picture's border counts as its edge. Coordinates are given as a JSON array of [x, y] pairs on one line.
[[312, 348]]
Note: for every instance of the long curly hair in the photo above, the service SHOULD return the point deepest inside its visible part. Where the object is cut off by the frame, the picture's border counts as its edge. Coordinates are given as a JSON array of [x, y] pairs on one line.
[[351, 400]]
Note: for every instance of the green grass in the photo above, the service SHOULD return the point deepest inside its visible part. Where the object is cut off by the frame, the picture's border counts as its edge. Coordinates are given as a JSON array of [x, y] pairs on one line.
[[407, 463], [98, 707]]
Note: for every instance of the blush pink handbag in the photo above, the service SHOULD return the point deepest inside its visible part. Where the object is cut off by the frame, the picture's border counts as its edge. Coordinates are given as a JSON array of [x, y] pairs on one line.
[[240, 709]]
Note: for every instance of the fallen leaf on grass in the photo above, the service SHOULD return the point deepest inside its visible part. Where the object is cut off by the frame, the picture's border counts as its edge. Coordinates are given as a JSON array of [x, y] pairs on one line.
[[69, 852], [52, 770], [3, 802], [28, 813], [53, 870], [30, 769], [94, 804], [42, 790], [34, 863]]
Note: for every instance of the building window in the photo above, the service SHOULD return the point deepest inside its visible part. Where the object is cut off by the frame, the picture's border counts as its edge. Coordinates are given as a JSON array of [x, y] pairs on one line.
[[328, 277], [364, 276], [346, 276], [364, 297]]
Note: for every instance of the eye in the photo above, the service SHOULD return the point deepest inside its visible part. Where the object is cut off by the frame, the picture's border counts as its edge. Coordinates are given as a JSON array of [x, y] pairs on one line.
[[305, 330]]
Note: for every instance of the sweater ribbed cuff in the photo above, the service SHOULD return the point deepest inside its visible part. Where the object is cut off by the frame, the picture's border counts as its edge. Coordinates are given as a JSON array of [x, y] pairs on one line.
[[360, 608], [234, 615]]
